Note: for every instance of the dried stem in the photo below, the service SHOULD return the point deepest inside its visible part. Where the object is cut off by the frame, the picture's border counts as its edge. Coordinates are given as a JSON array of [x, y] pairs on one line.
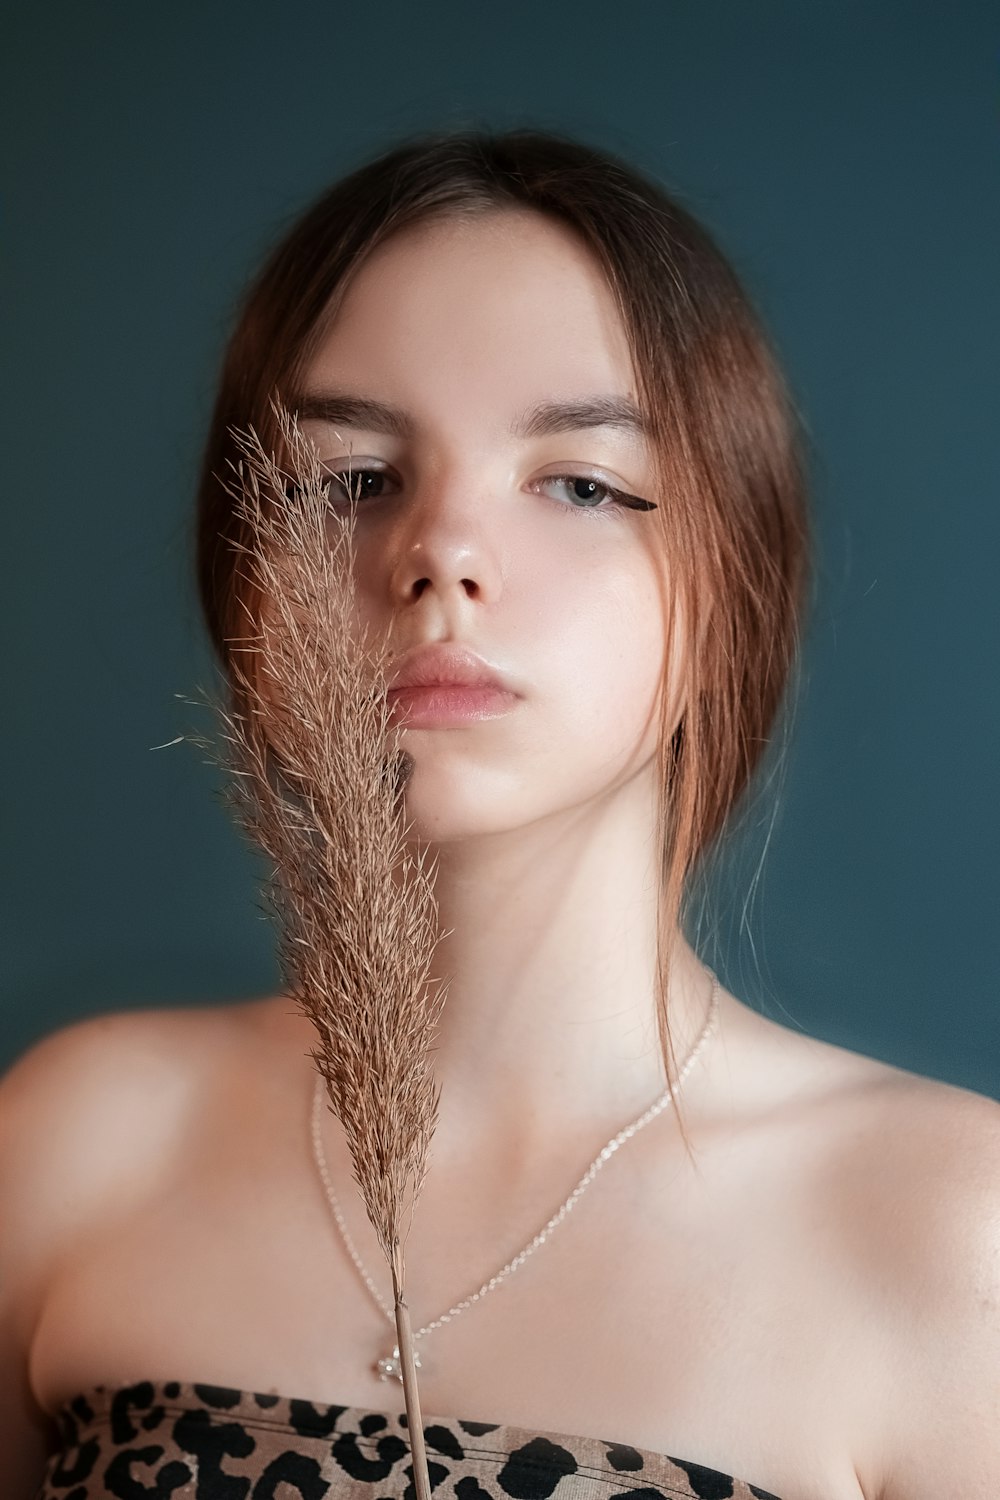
[[316, 779], [408, 1368]]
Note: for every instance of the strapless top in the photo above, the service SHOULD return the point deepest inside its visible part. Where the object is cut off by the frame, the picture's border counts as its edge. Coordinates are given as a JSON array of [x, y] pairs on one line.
[[172, 1439]]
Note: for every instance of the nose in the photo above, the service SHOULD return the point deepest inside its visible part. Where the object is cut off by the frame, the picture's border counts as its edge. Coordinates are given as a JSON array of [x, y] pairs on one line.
[[446, 546]]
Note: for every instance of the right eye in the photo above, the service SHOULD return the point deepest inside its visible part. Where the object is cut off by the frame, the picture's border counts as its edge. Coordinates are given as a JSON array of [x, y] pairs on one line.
[[357, 483]]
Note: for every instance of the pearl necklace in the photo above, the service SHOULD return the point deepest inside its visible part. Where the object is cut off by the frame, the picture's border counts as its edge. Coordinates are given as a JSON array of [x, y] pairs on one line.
[[388, 1366]]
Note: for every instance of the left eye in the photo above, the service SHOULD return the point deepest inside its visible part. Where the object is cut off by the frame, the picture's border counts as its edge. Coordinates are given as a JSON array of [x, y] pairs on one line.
[[586, 493]]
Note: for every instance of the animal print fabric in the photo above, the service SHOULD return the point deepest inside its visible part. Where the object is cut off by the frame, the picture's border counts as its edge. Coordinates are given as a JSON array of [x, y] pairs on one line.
[[166, 1440]]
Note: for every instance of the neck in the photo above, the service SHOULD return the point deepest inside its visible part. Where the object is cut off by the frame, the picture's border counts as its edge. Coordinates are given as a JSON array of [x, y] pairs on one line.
[[550, 964]]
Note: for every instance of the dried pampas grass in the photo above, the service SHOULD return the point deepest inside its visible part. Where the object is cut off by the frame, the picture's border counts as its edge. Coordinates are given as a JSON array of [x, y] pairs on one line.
[[316, 777]]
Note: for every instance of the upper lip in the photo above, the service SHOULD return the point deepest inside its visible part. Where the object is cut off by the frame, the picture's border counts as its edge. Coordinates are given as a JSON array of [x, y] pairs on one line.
[[444, 664]]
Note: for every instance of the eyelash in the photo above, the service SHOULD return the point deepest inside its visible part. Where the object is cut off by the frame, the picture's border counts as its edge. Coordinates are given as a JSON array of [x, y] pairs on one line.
[[619, 499]]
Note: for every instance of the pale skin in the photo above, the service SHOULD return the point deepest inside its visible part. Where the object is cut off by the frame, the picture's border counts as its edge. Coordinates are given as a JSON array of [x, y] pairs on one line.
[[813, 1306]]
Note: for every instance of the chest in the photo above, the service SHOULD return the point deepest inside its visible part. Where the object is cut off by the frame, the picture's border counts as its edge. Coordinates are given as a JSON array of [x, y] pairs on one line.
[[715, 1321]]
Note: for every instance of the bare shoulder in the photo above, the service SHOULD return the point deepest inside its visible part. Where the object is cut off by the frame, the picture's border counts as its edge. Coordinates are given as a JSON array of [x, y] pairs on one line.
[[883, 1110], [90, 1119], [926, 1159], [88, 1112], [924, 1154], [932, 1191], [910, 1176], [918, 1159]]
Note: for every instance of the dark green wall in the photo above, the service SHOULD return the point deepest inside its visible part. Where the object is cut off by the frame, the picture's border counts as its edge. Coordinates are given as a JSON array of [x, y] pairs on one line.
[[846, 156]]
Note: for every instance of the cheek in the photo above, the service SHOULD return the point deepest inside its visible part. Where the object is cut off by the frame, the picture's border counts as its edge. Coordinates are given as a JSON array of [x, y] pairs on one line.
[[598, 649]]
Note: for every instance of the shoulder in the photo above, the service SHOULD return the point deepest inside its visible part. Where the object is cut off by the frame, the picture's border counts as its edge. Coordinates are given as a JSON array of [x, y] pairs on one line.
[[932, 1185], [912, 1163], [900, 1176], [875, 1122], [88, 1114], [920, 1185], [91, 1118], [924, 1157], [91, 1073]]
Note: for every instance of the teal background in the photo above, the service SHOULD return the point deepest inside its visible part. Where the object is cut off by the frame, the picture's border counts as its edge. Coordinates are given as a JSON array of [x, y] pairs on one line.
[[844, 154]]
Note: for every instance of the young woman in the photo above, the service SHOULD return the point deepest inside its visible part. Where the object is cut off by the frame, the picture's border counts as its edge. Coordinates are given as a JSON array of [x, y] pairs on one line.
[[578, 484]]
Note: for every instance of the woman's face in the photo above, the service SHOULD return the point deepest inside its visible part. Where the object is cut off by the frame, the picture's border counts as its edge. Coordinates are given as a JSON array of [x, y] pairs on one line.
[[477, 523]]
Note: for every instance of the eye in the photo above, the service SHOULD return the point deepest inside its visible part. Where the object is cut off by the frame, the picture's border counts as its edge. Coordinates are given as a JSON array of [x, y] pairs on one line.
[[357, 483], [587, 493]]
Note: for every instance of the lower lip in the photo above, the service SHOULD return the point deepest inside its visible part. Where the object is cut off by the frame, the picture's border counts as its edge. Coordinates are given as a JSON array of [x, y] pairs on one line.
[[436, 707]]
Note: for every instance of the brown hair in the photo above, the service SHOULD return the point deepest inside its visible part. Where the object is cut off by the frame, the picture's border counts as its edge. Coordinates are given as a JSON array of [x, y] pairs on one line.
[[723, 431]]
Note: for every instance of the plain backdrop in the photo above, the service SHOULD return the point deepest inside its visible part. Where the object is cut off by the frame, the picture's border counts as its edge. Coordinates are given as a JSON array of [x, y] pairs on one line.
[[845, 155]]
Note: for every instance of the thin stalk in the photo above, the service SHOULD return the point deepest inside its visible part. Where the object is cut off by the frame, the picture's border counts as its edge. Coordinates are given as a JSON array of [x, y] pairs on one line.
[[408, 1370], [317, 776]]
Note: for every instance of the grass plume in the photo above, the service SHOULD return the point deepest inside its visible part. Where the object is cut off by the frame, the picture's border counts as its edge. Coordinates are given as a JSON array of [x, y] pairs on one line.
[[316, 778]]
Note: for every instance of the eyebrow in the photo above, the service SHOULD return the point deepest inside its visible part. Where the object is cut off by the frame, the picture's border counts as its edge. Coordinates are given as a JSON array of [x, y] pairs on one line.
[[538, 421]]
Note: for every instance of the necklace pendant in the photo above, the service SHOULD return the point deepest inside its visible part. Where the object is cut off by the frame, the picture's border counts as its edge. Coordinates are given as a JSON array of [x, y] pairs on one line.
[[389, 1367]]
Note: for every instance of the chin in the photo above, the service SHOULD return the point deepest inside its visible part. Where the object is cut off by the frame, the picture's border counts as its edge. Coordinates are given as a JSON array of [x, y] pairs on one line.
[[451, 803], [448, 799], [433, 821]]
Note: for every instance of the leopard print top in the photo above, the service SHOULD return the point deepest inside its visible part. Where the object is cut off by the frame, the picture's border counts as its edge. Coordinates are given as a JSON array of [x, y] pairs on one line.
[[158, 1440]]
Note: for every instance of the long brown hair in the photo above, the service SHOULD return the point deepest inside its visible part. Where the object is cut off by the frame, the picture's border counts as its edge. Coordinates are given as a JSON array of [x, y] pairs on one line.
[[724, 434]]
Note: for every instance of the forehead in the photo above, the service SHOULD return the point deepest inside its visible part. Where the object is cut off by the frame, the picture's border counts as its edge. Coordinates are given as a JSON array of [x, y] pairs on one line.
[[507, 305]]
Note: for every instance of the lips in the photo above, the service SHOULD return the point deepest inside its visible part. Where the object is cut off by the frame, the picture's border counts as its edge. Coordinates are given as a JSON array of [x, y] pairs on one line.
[[442, 685], [443, 664]]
